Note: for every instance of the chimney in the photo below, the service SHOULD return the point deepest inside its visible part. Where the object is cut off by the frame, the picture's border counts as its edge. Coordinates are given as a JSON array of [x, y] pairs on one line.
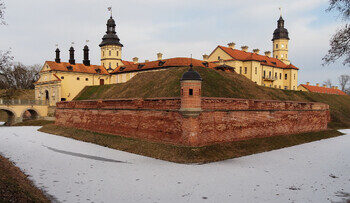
[[317, 84], [160, 56], [135, 60], [324, 86], [231, 45], [205, 57], [146, 61], [57, 59], [256, 51], [71, 56], [268, 53], [86, 60], [307, 83], [336, 87], [244, 48]]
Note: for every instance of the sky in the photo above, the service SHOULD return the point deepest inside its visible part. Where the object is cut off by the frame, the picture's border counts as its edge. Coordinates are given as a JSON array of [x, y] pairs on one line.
[[176, 28]]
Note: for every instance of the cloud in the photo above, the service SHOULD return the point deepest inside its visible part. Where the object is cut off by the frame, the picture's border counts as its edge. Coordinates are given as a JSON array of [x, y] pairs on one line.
[[173, 27]]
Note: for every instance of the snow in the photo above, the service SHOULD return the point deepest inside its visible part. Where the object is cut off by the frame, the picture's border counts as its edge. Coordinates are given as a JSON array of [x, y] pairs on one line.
[[74, 171]]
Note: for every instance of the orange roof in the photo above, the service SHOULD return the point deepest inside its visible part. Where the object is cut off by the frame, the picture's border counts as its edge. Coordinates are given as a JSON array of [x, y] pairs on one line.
[[166, 63], [325, 90], [248, 56], [78, 67]]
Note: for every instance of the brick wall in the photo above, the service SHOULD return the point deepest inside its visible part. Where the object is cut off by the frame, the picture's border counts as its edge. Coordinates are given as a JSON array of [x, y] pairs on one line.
[[222, 119]]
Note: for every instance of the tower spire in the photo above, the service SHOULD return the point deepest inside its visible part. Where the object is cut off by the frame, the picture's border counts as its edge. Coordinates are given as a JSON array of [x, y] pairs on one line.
[[110, 10], [280, 8]]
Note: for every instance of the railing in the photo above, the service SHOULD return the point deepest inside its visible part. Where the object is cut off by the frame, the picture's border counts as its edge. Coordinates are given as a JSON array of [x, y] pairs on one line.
[[270, 78], [23, 102]]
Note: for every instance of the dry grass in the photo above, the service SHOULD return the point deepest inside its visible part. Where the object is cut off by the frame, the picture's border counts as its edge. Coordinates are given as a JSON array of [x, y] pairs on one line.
[[183, 154], [34, 123], [15, 186]]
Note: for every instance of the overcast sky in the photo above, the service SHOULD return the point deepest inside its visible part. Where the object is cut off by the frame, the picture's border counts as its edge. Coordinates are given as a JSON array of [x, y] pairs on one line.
[[173, 27]]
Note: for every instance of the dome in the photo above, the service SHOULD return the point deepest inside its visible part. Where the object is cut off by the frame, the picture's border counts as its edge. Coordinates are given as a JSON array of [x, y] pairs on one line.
[[111, 22], [191, 75], [281, 32]]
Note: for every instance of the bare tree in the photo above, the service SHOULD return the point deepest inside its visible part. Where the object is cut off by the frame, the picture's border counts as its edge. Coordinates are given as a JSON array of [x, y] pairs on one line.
[[16, 75], [343, 81], [328, 83], [340, 41]]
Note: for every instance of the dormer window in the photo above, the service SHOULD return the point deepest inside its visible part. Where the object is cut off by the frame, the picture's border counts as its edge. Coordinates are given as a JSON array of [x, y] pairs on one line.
[[206, 64], [161, 63], [70, 68]]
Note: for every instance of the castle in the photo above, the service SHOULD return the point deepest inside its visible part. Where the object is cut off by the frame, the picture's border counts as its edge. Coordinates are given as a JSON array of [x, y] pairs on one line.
[[62, 81]]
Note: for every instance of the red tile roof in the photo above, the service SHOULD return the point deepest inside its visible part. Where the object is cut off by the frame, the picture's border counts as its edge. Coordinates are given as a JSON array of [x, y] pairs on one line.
[[78, 67], [325, 90], [165, 63], [248, 56]]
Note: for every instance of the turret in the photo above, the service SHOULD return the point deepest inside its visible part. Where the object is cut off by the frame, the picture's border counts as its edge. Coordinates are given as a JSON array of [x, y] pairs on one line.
[[111, 48], [57, 59], [191, 85], [86, 60], [71, 56], [280, 42]]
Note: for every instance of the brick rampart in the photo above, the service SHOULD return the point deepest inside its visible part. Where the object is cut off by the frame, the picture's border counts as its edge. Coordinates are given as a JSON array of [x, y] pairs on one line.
[[221, 119]]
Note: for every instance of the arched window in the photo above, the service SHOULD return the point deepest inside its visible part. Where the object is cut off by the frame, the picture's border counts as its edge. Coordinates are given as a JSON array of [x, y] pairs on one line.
[[276, 46], [110, 52], [117, 53], [110, 65]]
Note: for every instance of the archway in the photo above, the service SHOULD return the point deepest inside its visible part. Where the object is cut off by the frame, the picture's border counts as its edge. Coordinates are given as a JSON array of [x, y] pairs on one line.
[[29, 114], [7, 117], [47, 97]]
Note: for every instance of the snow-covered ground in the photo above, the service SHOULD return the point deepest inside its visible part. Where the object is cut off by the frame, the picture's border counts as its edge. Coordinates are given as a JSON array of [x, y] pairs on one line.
[[74, 171]]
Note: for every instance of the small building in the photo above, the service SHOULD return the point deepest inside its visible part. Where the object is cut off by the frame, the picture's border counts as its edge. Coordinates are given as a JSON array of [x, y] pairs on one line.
[[318, 89]]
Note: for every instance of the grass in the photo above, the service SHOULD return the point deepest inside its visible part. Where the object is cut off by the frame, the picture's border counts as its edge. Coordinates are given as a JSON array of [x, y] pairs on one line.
[[184, 154], [34, 123], [15, 186], [166, 83]]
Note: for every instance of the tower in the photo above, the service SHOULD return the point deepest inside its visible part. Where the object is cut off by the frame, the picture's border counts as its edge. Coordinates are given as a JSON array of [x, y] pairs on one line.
[[191, 84], [280, 42], [111, 48]]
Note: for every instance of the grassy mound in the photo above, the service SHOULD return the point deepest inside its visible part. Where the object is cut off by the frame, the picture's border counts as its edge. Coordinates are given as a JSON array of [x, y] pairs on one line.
[[166, 83], [183, 154]]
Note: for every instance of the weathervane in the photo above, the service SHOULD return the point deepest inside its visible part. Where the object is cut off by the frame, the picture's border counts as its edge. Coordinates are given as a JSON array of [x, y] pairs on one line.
[[56, 45], [87, 41], [110, 10], [72, 43], [280, 10]]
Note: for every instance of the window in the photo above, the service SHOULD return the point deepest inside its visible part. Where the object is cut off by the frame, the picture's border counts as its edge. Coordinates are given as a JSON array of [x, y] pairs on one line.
[[294, 76], [276, 46], [190, 92], [269, 74], [264, 73], [276, 57], [264, 85], [245, 70], [110, 52], [275, 86], [86, 79], [117, 65], [280, 87], [110, 65], [285, 87], [285, 76], [240, 70], [275, 75], [280, 77], [117, 53], [282, 45], [219, 58], [78, 78], [103, 54], [182, 91], [256, 70], [270, 85], [62, 77], [281, 55]]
